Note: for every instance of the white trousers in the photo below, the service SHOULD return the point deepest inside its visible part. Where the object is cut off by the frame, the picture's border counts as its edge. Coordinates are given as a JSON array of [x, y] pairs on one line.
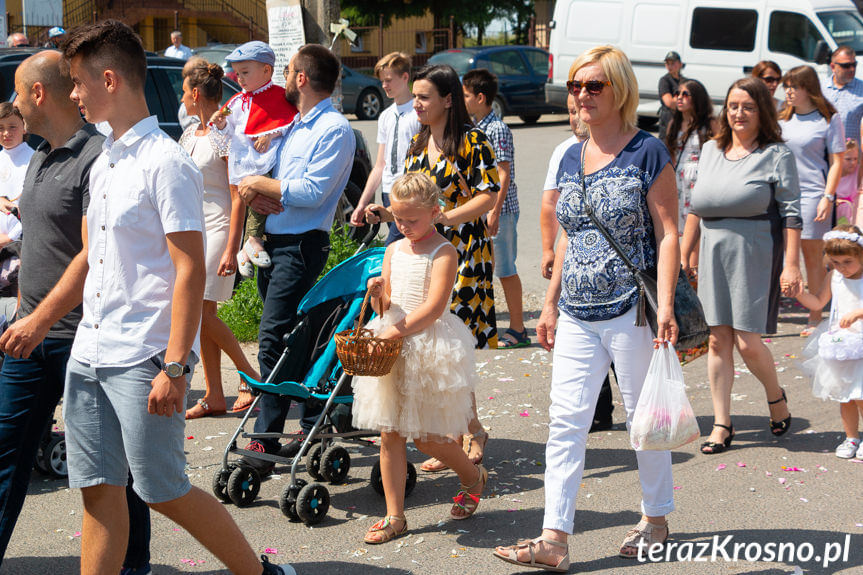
[[583, 352]]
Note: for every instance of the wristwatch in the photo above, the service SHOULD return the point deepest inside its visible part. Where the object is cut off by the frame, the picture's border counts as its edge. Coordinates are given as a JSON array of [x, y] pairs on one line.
[[175, 369], [831, 197]]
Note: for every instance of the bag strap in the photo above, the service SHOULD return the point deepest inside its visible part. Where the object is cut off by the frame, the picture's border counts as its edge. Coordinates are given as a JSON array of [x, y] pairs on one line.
[[589, 210]]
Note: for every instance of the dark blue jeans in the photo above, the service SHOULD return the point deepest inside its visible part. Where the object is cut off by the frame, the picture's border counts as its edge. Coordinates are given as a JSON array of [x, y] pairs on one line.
[[297, 262], [29, 392]]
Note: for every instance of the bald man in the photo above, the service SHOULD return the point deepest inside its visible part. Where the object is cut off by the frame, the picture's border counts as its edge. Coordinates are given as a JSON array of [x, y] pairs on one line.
[[53, 267], [17, 40]]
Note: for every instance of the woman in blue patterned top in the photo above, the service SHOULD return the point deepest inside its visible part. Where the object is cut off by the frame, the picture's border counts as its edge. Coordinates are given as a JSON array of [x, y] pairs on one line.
[[631, 187]]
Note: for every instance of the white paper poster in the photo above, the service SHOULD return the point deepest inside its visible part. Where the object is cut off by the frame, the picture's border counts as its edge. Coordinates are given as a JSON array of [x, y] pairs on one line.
[[285, 18]]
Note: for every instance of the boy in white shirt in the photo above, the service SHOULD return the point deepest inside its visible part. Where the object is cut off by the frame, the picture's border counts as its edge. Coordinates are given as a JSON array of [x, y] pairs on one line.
[[14, 156], [397, 125]]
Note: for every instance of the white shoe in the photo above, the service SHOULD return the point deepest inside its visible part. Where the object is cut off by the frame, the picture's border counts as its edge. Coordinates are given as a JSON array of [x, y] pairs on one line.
[[259, 258], [244, 266], [287, 569], [859, 453], [849, 448]]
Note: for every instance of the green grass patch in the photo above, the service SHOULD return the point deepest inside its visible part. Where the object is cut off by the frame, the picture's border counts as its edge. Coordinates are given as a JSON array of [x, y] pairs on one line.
[[242, 313]]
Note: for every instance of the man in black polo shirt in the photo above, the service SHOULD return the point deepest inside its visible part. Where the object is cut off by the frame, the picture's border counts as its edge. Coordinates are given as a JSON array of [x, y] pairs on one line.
[[668, 85], [53, 209]]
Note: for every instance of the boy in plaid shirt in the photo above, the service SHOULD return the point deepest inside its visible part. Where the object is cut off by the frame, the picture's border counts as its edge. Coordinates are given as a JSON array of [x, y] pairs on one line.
[[480, 89]]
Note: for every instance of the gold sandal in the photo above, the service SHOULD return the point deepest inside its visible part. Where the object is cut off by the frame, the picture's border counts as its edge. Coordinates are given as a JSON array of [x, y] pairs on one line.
[[384, 528], [481, 438], [529, 544], [466, 501], [644, 531]]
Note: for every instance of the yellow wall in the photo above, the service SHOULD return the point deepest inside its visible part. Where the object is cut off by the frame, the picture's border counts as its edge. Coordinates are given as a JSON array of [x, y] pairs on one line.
[[400, 35]]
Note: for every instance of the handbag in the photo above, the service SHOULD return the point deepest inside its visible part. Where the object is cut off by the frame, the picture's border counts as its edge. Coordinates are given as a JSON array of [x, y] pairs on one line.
[[691, 325]]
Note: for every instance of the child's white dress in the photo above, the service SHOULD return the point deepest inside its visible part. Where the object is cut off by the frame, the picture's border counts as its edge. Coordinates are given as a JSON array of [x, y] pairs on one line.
[[427, 394], [833, 358]]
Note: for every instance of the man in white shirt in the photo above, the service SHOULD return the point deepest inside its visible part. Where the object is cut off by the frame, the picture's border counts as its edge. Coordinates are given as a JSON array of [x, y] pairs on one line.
[[177, 49], [397, 125], [127, 379]]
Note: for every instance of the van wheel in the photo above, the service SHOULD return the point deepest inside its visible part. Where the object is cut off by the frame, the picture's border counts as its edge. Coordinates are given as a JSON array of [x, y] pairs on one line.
[[529, 118], [497, 107]]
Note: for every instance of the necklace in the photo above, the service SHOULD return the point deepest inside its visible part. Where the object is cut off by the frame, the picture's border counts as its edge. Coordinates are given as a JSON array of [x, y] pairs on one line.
[[432, 232], [738, 155]]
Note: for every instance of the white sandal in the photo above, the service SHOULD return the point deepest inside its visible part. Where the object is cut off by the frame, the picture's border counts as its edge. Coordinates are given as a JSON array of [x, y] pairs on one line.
[[644, 531]]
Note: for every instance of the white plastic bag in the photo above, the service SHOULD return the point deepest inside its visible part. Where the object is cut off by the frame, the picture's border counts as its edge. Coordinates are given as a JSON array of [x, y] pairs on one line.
[[663, 417]]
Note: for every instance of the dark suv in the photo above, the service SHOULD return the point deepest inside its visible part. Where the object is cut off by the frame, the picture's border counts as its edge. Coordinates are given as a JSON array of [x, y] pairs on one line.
[[521, 71], [163, 91]]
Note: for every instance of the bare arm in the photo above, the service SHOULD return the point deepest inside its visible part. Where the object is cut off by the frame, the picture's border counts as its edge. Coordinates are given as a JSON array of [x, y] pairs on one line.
[[817, 302], [187, 254], [548, 230], [235, 234], [825, 206], [548, 318], [25, 334], [469, 211], [662, 203], [372, 185], [791, 279], [668, 100], [504, 170], [438, 300], [691, 235]]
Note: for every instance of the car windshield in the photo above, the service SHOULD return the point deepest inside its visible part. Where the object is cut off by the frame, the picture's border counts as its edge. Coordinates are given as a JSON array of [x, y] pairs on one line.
[[456, 58], [845, 26]]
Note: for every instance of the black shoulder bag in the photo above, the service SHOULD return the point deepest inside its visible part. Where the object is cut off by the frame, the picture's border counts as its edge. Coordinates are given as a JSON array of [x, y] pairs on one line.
[[691, 325]]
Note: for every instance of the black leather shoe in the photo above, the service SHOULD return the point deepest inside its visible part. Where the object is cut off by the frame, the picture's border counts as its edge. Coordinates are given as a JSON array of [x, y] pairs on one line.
[[601, 425]]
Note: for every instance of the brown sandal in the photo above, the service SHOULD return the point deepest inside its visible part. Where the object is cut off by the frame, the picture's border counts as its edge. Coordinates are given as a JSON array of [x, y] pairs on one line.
[[433, 465], [644, 531], [481, 439], [466, 501], [529, 544], [385, 530]]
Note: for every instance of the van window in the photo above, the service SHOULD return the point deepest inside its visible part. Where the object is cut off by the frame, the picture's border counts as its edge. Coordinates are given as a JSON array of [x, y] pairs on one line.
[[794, 34], [846, 27], [507, 63], [723, 29]]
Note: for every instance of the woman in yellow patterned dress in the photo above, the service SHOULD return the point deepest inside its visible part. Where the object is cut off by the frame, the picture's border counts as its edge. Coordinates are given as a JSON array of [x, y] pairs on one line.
[[460, 160]]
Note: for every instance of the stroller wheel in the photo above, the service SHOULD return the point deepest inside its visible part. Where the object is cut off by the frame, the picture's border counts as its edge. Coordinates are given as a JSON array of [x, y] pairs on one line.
[[313, 462], [220, 484], [243, 486], [378, 484], [313, 502], [335, 464], [288, 500], [54, 456]]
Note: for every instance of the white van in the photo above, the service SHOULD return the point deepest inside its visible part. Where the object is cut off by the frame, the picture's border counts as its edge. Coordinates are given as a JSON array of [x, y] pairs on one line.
[[719, 40]]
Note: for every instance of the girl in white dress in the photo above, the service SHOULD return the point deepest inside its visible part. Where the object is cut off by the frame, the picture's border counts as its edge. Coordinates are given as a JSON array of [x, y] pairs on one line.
[[834, 355], [427, 395]]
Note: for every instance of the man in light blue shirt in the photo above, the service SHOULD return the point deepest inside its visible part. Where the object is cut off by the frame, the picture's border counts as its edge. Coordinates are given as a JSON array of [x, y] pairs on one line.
[[845, 91], [315, 161]]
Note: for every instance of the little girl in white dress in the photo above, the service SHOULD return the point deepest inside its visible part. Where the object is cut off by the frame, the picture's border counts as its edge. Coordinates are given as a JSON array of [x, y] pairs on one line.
[[834, 355], [427, 395]]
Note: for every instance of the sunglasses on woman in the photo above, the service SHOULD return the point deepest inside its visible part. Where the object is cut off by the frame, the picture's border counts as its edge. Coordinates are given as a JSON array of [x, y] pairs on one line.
[[593, 87], [770, 79], [680, 93]]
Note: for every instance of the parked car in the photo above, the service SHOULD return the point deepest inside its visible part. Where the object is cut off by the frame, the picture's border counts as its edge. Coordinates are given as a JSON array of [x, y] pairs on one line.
[[216, 54], [521, 71], [362, 95], [719, 40], [163, 91]]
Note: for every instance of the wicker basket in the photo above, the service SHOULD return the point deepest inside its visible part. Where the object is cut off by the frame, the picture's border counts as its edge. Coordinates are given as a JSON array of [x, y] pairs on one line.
[[363, 354]]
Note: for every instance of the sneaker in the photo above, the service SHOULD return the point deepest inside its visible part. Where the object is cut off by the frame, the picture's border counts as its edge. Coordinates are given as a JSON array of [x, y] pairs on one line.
[[848, 448], [145, 570], [271, 569], [263, 467], [292, 448], [859, 453]]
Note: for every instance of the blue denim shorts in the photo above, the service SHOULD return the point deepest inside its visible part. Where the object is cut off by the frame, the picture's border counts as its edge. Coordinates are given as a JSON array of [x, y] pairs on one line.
[[109, 432], [506, 246]]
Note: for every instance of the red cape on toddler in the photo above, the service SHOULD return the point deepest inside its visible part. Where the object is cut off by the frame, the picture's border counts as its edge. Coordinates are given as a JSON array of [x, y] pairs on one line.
[[268, 110]]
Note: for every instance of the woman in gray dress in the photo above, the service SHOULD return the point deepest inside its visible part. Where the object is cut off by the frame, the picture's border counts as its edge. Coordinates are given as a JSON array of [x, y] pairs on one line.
[[746, 210]]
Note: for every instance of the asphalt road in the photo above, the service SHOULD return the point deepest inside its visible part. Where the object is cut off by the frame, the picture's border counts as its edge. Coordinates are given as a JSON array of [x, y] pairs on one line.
[[763, 491]]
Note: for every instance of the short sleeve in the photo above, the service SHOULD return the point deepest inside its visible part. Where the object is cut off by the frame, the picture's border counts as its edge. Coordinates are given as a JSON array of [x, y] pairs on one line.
[[665, 86], [836, 135], [481, 173], [382, 130], [655, 158], [177, 192], [501, 142], [553, 166], [787, 192]]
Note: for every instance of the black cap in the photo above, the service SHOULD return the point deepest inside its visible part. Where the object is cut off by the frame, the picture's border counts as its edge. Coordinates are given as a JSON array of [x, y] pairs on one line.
[[672, 56]]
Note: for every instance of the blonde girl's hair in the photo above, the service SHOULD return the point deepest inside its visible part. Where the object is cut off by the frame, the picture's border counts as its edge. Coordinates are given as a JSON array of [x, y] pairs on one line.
[[618, 69], [417, 188], [850, 144], [842, 247]]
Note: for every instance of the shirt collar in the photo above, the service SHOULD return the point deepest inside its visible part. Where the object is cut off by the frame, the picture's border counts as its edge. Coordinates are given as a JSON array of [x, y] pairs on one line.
[[76, 142], [489, 118], [133, 134], [324, 105]]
